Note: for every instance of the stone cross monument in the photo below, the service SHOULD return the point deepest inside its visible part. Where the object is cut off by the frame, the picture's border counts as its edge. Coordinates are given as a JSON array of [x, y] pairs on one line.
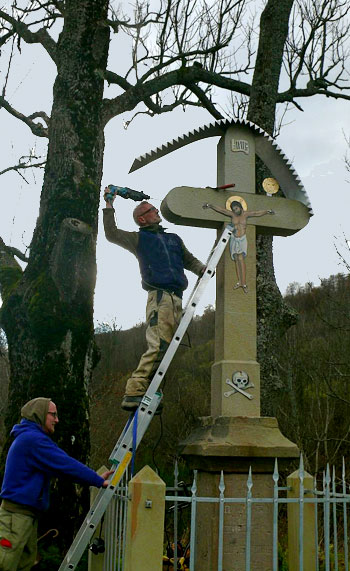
[[235, 436]]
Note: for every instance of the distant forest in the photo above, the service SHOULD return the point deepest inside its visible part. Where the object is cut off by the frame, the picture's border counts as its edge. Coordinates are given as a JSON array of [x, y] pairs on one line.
[[312, 403]]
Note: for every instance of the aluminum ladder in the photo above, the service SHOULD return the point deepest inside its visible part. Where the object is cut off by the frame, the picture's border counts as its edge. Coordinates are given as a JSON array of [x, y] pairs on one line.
[[133, 434]]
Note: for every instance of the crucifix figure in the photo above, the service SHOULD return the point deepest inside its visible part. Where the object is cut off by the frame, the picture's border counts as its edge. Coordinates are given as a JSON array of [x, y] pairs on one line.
[[238, 241]]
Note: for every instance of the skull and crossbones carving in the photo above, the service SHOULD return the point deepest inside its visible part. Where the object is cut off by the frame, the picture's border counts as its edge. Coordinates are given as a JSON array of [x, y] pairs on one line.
[[240, 382]]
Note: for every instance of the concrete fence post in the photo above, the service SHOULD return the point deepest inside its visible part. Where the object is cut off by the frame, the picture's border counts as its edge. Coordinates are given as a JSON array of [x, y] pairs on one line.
[[145, 522], [294, 524]]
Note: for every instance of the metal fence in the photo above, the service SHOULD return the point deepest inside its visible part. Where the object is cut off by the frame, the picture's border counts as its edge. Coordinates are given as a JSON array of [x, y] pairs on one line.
[[329, 495]]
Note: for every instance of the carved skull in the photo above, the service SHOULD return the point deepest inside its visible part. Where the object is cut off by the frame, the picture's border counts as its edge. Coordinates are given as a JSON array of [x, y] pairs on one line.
[[240, 379]]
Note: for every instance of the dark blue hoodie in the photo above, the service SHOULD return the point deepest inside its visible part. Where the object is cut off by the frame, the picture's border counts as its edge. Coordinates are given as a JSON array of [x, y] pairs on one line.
[[32, 460]]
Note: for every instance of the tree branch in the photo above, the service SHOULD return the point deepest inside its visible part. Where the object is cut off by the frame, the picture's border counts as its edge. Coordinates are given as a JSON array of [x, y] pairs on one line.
[[116, 79], [6, 256], [154, 109], [291, 94], [40, 37], [186, 76], [47, 6], [317, 45], [15, 252], [10, 270], [205, 101], [115, 25], [36, 128], [5, 37], [143, 18], [22, 165]]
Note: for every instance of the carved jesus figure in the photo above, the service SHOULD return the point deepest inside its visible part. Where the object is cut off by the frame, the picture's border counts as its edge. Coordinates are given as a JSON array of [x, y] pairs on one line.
[[238, 240]]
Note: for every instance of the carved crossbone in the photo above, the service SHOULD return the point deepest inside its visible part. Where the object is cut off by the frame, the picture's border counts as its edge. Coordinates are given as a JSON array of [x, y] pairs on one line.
[[237, 384]]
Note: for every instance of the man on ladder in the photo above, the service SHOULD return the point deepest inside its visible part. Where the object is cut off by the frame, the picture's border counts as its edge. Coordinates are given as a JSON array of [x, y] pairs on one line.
[[162, 258]]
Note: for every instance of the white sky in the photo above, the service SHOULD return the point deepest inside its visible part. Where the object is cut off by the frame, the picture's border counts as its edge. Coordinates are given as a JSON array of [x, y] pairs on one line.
[[313, 140]]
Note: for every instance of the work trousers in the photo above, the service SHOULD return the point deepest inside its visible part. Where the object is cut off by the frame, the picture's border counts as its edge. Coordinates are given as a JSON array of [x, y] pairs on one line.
[[163, 315], [21, 532]]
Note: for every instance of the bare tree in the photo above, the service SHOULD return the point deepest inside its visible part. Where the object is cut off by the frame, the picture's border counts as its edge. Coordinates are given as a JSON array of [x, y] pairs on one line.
[[180, 50]]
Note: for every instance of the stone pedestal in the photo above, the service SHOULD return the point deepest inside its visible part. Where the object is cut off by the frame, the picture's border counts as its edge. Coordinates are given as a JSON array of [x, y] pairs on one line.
[[233, 444], [235, 438]]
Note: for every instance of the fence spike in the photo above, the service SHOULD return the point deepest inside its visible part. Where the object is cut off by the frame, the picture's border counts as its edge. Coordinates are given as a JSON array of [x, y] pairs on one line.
[[250, 479], [301, 468], [194, 485], [222, 483], [335, 527], [176, 469], [345, 519], [276, 475], [221, 522]]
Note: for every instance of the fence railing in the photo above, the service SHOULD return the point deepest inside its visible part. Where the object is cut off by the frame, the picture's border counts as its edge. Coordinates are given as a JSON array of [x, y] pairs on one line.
[[326, 522]]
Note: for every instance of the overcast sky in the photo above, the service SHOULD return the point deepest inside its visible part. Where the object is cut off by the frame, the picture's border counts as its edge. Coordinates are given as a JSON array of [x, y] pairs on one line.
[[313, 140]]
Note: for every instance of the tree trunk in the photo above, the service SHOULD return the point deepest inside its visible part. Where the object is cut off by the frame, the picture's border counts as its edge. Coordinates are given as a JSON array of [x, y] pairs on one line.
[[48, 314], [274, 316]]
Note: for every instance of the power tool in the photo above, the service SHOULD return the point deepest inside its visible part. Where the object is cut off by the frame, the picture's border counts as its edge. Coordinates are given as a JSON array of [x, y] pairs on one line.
[[125, 192]]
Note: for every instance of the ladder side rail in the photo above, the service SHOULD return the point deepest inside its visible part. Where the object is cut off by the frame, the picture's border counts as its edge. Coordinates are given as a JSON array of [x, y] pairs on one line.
[[224, 235], [87, 529]]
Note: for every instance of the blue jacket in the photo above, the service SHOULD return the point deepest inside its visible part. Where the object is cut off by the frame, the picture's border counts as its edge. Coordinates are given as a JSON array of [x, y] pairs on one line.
[[32, 460], [161, 261]]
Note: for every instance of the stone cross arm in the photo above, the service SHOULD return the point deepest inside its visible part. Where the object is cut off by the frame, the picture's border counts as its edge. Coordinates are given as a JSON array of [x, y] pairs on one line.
[[184, 205]]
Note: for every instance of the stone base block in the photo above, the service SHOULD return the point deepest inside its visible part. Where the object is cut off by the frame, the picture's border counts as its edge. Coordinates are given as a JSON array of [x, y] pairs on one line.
[[233, 444], [234, 524]]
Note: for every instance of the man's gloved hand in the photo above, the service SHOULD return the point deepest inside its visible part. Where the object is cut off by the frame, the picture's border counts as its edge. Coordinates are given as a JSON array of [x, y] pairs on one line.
[[108, 197]]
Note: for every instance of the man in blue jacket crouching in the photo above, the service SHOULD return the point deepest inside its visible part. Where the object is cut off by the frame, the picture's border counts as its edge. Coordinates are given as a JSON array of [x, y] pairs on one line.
[[32, 460]]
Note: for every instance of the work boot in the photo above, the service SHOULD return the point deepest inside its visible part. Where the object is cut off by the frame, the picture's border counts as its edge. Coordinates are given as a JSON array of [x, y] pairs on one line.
[[132, 403]]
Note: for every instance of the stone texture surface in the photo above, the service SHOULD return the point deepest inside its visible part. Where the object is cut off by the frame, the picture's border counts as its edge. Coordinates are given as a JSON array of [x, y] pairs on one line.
[[240, 436], [234, 443]]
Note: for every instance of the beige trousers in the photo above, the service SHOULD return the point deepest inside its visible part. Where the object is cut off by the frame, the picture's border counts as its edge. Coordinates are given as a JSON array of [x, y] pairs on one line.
[[163, 315], [21, 531]]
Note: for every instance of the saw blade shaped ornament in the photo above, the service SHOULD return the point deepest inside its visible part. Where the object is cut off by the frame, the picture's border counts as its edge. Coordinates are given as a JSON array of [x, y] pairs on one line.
[[266, 149]]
